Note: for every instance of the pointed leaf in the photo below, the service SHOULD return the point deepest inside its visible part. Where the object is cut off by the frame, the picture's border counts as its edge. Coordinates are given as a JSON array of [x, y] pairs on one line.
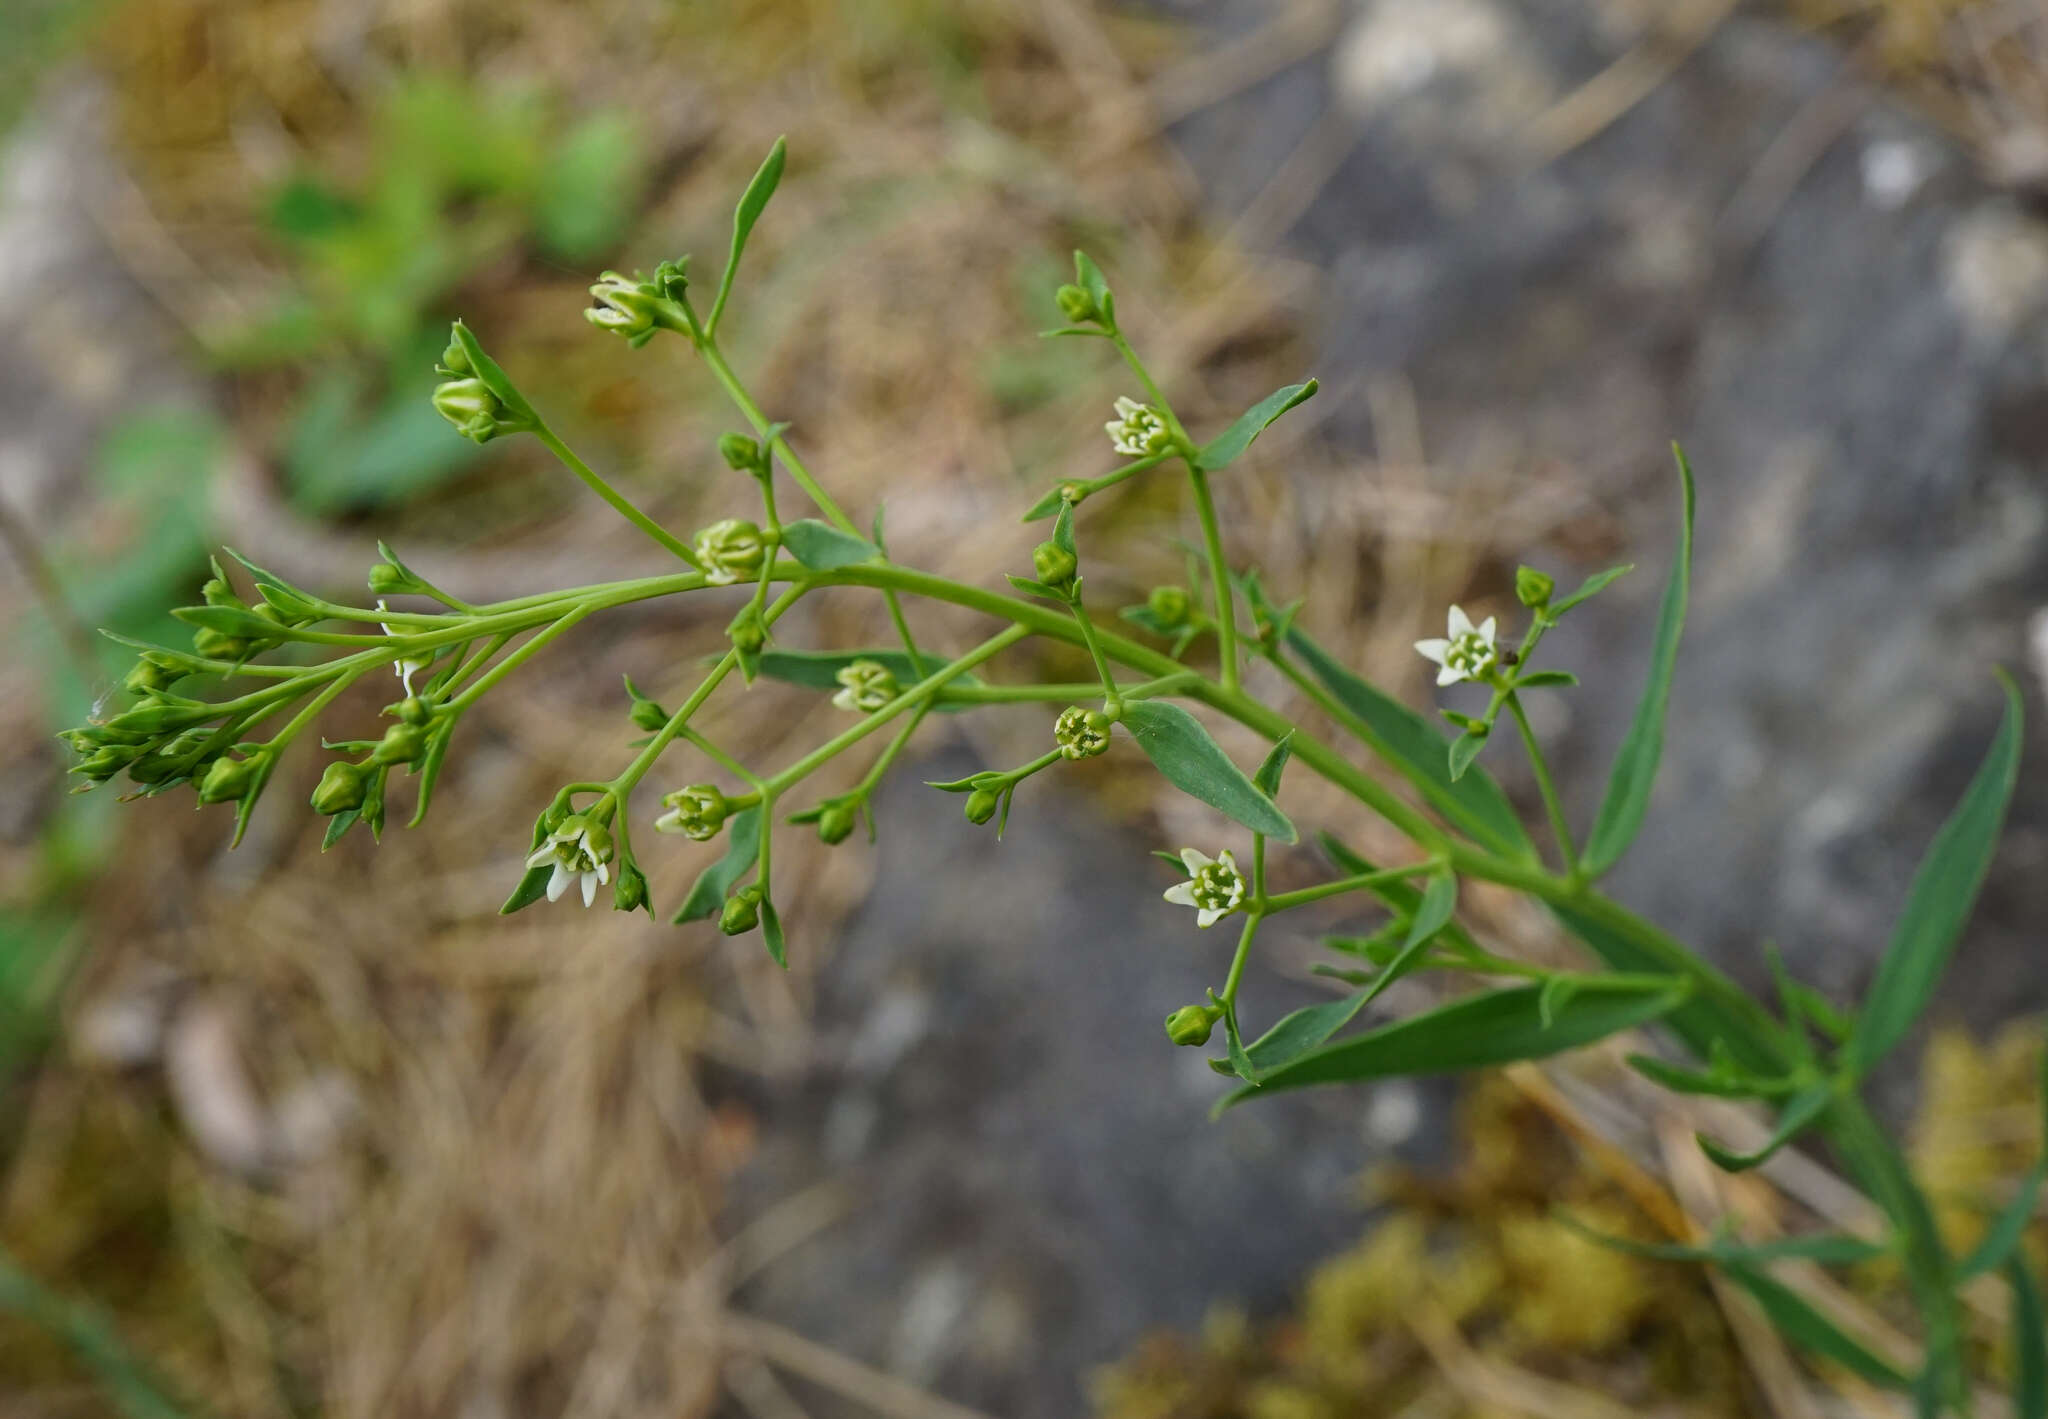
[[1793, 1317], [1194, 763], [1593, 586], [771, 932], [752, 203], [1225, 448], [1635, 763], [821, 546], [1538, 679], [1401, 897], [1433, 913], [1063, 529], [1803, 1110], [1055, 498], [743, 848], [1491, 1028], [532, 887], [1298, 1033], [1407, 742], [1724, 1081], [1943, 892], [1464, 749], [1088, 276], [1829, 1249], [1267, 779]]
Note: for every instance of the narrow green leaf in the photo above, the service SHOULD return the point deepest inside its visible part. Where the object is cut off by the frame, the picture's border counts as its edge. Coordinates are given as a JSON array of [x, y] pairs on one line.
[[1088, 276], [1463, 750], [1240, 1062], [1635, 763], [339, 824], [494, 377], [1557, 993], [1492, 1028], [1055, 498], [1036, 588], [1803, 1110], [1411, 745], [1267, 779], [743, 848], [821, 546], [1829, 1249], [130, 1387], [1593, 586], [532, 887], [752, 203], [1063, 529], [771, 932], [1537, 679], [1432, 914], [1792, 1317], [2004, 1234], [1399, 894], [1725, 1080], [1194, 763], [1299, 1032], [2029, 1344], [1226, 447], [1943, 892]]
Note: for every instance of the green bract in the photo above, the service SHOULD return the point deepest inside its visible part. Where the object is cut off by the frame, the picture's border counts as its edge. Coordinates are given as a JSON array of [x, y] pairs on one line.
[[219, 716]]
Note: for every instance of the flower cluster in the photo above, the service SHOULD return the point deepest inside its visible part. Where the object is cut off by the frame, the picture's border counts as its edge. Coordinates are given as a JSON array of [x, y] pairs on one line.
[[1215, 888], [1467, 654], [729, 551], [1138, 429], [864, 686], [580, 851]]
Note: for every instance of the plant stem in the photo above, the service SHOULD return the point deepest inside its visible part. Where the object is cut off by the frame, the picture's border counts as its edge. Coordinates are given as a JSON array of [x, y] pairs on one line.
[[1551, 803], [611, 495], [1361, 882], [1237, 962], [512, 662], [1219, 576], [1112, 702]]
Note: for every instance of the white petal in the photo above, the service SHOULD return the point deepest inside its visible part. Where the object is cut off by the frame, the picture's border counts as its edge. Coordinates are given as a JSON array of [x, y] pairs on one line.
[[1448, 676], [669, 822], [1227, 860], [589, 888], [1486, 629], [1194, 860], [1208, 917], [1435, 649], [405, 670], [559, 883], [604, 875], [1460, 622], [1181, 894], [545, 853], [844, 700], [1125, 406]]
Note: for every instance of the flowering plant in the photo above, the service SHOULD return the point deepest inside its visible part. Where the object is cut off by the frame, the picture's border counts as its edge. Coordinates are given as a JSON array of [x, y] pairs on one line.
[[1807, 1059]]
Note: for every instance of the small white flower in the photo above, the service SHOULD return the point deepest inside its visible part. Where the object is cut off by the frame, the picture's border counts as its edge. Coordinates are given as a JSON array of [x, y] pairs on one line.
[[730, 550], [867, 685], [406, 669], [1137, 430], [1215, 888], [1469, 652], [579, 850]]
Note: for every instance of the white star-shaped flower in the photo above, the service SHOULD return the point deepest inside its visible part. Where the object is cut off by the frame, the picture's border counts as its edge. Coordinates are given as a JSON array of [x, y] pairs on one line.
[[406, 668], [1137, 429], [579, 850], [1469, 652], [1215, 888]]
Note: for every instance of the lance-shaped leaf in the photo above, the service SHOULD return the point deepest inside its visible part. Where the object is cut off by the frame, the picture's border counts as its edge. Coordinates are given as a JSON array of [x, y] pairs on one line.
[[2029, 1344], [1829, 1248], [822, 547], [1400, 896], [2003, 1236], [1226, 447], [532, 886], [1593, 585], [494, 377], [1195, 764], [1267, 779], [1635, 764], [1492, 1028], [1793, 1317], [1055, 498], [771, 932], [1088, 276], [1723, 1079], [714, 883], [1805, 1107], [1939, 902], [1473, 802], [752, 203], [819, 670]]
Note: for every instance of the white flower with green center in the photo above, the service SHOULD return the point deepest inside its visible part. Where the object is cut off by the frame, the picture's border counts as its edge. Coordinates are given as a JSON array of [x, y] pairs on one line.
[[1467, 654], [867, 685], [729, 550], [1138, 429], [406, 669], [579, 850], [1215, 888], [697, 812]]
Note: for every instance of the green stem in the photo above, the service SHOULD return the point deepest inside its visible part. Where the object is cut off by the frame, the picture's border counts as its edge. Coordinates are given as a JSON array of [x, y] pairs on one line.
[[534, 645], [1359, 883], [610, 494], [895, 746], [1552, 805], [1112, 702], [1237, 962], [1219, 575]]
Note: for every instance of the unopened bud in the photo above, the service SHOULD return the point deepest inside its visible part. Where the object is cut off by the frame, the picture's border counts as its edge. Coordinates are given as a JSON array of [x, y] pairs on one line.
[[1533, 588], [1169, 605], [647, 715], [219, 645], [226, 780], [1191, 1024], [697, 812], [748, 631], [981, 805], [742, 912], [387, 580], [154, 673], [401, 744], [629, 890], [1055, 565], [412, 710], [624, 307], [1081, 733], [729, 551], [741, 454], [1077, 305], [835, 824], [340, 789]]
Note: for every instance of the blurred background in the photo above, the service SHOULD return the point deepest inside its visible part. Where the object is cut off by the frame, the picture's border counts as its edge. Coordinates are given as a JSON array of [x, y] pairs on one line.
[[291, 1134]]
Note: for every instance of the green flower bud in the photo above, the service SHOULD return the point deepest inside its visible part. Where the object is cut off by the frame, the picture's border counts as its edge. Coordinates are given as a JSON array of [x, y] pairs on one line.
[[401, 744], [340, 789], [103, 763], [742, 454], [697, 812], [412, 710], [472, 408], [748, 631], [647, 715], [156, 718], [742, 912], [629, 892], [1533, 588], [219, 645], [981, 804], [455, 359], [1081, 733], [387, 580], [835, 824], [154, 673], [1055, 566], [226, 780], [1169, 605], [627, 308], [865, 686], [1077, 305], [729, 551], [672, 278], [1191, 1024]]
